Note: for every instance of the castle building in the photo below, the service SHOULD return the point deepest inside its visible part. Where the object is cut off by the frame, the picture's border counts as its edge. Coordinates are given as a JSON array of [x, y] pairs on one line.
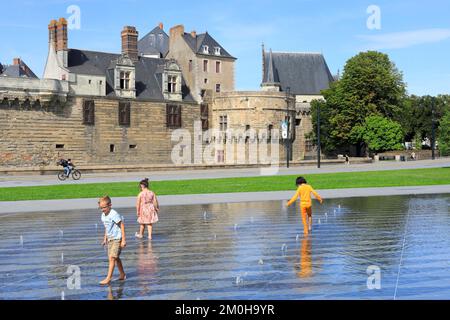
[[120, 110]]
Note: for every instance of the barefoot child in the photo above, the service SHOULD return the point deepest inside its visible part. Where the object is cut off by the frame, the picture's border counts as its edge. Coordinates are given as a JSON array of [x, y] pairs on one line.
[[114, 237], [304, 193], [147, 209]]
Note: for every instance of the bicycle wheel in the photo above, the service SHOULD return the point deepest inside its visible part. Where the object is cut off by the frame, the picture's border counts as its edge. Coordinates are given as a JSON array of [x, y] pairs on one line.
[[62, 175], [76, 175]]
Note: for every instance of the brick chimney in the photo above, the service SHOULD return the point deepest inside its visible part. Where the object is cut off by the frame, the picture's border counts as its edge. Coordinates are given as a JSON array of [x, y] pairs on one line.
[[161, 26], [52, 34], [193, 34], [16, 61], [129, 42], [175, 33], [61, 34]]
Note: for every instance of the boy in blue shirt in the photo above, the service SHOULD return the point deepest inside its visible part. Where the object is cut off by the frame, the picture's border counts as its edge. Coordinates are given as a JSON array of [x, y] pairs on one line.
[[114, 237]]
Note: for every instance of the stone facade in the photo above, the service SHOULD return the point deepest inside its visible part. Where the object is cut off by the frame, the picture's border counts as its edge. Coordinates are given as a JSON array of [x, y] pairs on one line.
[[198, 80], [39, 135]]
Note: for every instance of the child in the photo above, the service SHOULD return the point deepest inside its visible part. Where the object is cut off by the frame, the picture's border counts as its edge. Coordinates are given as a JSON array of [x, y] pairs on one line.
[[147, 209], [114, 237], [304, 193]]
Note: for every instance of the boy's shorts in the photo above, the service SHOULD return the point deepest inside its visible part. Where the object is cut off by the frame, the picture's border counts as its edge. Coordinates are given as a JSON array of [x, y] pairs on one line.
[[114, 248]]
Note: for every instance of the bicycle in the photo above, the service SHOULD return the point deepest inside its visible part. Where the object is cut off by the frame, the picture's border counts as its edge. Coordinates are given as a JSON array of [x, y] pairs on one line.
[[76, 175]]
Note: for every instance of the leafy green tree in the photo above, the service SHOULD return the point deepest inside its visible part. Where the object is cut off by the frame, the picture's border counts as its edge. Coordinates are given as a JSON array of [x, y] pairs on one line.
[[370, 85], [444, 136], [382, 134]]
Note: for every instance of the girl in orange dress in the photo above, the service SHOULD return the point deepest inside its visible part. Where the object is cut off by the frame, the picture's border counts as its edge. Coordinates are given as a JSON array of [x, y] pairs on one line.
[[147, 209], [304, 194]]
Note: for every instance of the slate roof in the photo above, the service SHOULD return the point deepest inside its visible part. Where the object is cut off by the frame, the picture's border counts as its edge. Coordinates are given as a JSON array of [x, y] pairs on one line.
[[304, 73], [148, 73], [196, 45], [151, 46], [17, 71]]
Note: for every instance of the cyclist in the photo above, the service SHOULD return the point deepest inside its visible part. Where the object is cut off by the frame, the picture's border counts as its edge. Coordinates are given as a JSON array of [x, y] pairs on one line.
[[67, 165]]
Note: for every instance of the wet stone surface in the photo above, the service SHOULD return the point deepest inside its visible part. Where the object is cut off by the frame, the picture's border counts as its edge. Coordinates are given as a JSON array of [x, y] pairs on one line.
[[253, 250]]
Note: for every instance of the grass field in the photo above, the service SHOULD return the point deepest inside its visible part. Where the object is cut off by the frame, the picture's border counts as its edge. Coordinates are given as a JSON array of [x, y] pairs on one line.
[[391, 178]]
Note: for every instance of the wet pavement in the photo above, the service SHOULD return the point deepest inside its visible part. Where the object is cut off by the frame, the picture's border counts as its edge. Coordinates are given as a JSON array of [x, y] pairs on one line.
[[250, 250]]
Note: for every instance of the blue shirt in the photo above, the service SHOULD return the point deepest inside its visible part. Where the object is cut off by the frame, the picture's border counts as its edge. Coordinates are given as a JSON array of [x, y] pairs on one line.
[[110, 221]]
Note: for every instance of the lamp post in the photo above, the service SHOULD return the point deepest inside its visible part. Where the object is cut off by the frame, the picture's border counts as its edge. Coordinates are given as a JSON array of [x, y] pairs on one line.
[[433, 134], [288, 122], [318, 135]]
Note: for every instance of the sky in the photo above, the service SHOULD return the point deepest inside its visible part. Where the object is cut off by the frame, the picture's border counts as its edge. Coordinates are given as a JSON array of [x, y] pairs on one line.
[[415, 34]]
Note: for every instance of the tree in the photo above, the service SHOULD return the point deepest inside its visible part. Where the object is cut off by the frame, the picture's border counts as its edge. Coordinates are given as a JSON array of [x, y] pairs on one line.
[[370, 85], [444, 136], [382, 134]]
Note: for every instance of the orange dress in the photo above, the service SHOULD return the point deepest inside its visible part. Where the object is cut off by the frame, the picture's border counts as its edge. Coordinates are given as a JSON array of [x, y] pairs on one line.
[[145, 206]]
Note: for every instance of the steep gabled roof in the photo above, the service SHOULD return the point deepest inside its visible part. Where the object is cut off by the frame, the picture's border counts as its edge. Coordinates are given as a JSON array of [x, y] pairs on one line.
[[304, 73], [196, 44], [148, 72], [17, 70], [151, 44]]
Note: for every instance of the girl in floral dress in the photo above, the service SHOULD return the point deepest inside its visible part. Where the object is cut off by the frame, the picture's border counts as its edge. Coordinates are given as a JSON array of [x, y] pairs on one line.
[[147, 208]]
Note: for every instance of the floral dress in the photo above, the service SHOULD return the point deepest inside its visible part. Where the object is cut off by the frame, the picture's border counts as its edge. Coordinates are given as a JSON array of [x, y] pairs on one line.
[[145, 206]]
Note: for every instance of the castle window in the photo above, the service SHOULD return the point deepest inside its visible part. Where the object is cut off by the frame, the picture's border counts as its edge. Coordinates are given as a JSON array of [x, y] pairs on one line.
[[204, 114], [205, 49], [223, 123], [218, 87], [269, 132], [173, 116], [124, 80], [88, 112], [172, 84], [124, 113], [217, 51], [133, 146], [247, 133], [217, 66], [59, 146], [205, 65], [190, 65], [205, 81], [112, 148]]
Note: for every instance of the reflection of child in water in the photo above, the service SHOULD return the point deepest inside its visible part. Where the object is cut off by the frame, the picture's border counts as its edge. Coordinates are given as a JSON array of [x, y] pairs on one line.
[[305, 259], [304, 191]]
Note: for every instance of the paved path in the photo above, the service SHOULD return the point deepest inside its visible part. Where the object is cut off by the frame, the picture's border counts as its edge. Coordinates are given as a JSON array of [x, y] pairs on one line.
[[128, 202], [31, 180]]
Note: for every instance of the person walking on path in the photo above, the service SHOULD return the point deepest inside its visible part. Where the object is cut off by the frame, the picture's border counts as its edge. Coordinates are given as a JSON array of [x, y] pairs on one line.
[[147, 209], [303, 193], [347, 159]]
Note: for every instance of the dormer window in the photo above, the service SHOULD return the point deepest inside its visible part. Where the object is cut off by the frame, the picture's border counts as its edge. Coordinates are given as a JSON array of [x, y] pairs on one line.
[[124, 80], [217, 51], [205, 49], [172, 77], [172, 84]]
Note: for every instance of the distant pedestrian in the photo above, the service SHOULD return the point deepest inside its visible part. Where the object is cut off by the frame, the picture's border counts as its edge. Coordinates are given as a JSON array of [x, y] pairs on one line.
[[147, 209], [347, 159], [114, 238], [303, 193], [413, 155]]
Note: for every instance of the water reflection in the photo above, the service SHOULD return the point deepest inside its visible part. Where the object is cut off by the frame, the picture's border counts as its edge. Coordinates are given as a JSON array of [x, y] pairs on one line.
[[146, 266], [117, 293], [305, 265]]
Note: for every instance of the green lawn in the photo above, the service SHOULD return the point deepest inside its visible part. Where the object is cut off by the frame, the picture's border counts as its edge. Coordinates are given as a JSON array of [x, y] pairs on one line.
[[413, 177]]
